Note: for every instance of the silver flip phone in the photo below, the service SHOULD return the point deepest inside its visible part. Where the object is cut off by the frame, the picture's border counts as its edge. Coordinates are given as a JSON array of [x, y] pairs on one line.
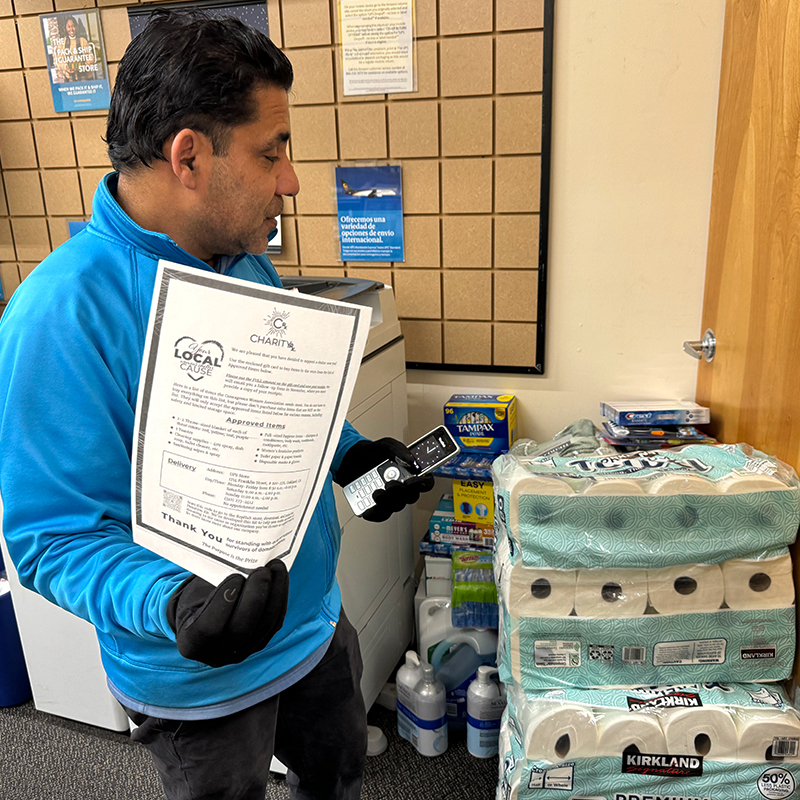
[[429, 452]]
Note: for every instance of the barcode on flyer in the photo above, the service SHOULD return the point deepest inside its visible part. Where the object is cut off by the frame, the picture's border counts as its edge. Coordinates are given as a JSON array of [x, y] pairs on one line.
[[785, 746], [633, 655]]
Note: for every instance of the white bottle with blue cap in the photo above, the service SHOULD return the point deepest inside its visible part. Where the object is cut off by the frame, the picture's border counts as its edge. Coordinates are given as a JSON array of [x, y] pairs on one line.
[[485, 705]]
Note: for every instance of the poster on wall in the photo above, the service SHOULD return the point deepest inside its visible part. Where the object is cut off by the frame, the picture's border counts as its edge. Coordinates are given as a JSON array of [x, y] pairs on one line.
[[377, 46], [370, 208], [76, 60]]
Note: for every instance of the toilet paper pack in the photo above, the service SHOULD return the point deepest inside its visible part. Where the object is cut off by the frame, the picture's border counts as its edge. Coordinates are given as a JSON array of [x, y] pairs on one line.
[[696, 504], [714, 741], [628, 626]]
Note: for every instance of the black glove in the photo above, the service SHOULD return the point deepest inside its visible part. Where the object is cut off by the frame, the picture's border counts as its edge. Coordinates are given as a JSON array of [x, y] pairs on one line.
[[225, 624], [363, 456]]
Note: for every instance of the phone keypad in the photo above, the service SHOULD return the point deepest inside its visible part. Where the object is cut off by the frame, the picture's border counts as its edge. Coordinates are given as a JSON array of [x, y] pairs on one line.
[[359, 492]]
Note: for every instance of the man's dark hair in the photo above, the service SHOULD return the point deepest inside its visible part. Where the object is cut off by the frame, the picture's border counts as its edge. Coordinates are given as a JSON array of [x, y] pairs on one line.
[[188, 70]]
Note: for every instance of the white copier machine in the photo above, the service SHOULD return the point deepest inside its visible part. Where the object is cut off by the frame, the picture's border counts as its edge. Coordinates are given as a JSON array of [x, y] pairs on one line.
[[376, 563]]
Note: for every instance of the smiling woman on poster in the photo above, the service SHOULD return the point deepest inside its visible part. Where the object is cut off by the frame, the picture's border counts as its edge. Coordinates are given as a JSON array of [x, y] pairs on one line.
[[75, 60]]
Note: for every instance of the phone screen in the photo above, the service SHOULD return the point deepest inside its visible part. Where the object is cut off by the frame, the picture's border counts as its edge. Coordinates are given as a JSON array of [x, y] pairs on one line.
[[433, 449]]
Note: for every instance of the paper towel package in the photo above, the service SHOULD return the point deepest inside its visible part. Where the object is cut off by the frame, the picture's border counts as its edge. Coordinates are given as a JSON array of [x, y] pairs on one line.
[[658, 567], [710, 741], [700, 504]]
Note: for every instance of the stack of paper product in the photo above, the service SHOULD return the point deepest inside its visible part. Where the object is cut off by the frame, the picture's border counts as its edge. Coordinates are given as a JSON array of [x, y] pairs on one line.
[[720, 741], [663, 568]]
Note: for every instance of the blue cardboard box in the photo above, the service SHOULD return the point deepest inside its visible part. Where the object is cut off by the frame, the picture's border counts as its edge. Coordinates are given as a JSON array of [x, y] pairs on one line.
[[482, 423]]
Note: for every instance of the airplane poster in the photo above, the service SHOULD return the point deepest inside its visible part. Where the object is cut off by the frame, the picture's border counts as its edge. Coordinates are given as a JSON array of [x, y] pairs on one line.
[[370, 206]]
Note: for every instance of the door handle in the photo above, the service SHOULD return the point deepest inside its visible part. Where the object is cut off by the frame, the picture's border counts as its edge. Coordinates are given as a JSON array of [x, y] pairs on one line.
[[705, 348]]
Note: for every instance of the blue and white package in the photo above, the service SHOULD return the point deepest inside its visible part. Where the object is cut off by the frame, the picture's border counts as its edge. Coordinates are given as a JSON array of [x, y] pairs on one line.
[[473, 599], [709, 741], [482, 423], [597, 589], [696, 504]]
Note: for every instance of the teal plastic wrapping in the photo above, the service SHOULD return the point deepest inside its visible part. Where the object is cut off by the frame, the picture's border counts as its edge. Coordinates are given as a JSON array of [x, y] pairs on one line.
[[738, 721]]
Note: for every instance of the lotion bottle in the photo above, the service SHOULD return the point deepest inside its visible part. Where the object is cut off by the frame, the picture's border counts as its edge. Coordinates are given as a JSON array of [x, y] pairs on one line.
[[407, 678], [485, 705]]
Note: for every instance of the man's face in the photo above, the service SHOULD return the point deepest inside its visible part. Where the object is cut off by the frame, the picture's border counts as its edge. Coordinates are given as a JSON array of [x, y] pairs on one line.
[[247, 185]]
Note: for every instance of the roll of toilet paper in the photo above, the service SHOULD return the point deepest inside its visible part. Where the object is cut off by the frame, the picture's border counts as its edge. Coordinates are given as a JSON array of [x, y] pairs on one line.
[[743, 484], [533, 486], [679, 483], [614, 488], [611, 593], [708, 732], [541, 592], [758, 583], [554, 731], [686, 589], [617, 730], [766, 735]]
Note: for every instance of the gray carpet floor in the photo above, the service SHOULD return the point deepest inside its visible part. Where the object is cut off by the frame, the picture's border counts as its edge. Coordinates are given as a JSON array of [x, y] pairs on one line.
[[43, 757]]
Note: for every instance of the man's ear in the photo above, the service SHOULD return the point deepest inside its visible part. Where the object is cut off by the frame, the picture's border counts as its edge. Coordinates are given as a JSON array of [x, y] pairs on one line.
[[188, 154]]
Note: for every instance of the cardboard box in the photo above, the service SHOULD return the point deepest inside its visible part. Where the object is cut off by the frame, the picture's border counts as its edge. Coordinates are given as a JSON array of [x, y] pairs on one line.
[[473, 501], [444, 527], [482, 423]]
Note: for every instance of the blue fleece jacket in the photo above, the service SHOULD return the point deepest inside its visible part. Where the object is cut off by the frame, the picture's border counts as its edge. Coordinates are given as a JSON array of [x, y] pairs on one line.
[[71, 346]]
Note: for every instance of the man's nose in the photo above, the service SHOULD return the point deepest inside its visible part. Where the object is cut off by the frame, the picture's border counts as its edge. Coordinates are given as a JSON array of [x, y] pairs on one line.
[[288, 183]]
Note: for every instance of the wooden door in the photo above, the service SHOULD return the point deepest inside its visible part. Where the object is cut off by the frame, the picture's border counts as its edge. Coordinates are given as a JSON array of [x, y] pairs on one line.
[[752, 291]]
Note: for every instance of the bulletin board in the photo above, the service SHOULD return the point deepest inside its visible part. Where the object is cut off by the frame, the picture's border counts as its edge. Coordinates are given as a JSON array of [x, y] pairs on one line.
[[473, 144], [513, 340]]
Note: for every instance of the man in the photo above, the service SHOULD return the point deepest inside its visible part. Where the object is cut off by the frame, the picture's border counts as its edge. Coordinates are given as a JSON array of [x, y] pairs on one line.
[[215, 677]]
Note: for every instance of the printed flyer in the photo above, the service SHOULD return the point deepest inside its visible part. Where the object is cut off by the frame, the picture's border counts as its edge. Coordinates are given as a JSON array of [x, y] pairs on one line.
[[370, 206], [76, 60], [377, 46], [242, 398]]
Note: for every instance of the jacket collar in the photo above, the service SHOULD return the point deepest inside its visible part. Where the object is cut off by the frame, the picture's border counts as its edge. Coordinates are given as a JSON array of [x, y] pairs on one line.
[[108, 219]]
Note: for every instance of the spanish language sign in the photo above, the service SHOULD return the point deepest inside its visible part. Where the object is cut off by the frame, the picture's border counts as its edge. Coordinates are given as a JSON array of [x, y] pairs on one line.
[[243, 394], [377, 46], [370, 205], [76, 61]]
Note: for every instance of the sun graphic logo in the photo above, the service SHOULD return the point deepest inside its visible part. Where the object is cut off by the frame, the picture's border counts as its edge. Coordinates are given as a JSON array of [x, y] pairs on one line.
[[277, 322]]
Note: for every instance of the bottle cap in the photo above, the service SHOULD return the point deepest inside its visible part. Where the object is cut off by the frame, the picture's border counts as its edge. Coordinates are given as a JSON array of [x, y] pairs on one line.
[[484, 671], [412, 659]]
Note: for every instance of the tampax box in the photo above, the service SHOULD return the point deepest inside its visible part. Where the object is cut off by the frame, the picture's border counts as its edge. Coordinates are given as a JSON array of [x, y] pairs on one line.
[[482, 423]]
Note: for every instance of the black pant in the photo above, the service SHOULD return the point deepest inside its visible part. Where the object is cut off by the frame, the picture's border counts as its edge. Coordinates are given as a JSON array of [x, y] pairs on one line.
[[317, 728]]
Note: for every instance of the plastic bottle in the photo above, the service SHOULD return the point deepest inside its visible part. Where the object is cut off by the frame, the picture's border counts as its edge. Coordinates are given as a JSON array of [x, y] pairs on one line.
[[485, 704], [423, 722], [455, 662], [408, 676]]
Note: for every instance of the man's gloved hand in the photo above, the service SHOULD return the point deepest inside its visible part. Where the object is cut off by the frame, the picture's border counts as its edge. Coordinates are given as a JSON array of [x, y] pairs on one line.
[[225, 624], [363, 456]]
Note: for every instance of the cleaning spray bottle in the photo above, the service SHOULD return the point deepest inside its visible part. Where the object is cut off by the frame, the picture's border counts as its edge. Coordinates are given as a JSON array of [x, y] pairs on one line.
[[485, 704], [423, 722]]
